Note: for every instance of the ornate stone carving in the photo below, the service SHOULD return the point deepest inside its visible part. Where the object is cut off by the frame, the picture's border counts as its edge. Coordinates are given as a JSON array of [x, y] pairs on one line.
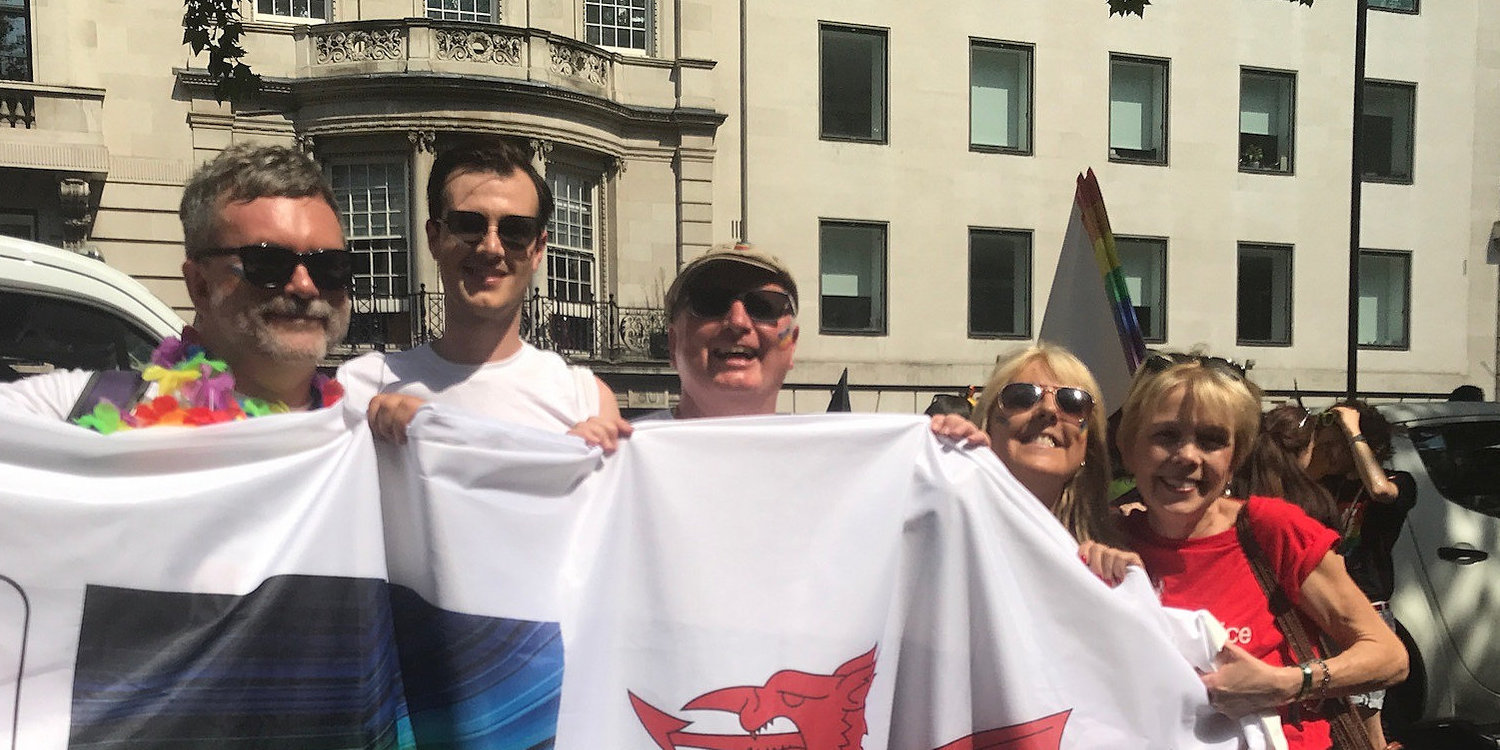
[[73, 194], [478, 46], [423, 141], [579, 63], [304, 142], [360, 45], [541, 149]]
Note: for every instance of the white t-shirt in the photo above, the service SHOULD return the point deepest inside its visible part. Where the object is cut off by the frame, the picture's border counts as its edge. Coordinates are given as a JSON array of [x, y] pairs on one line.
[[49, 395], [531, 387]]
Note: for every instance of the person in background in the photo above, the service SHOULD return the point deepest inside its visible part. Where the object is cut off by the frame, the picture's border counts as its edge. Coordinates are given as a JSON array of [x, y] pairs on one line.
[[1353, 440], [1184, 431], [1277, 465], [1046, 423]]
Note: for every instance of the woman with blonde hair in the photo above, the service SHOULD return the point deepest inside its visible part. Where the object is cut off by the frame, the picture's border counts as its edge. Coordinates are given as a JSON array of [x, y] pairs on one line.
[[1183, 434], [1046, 422]]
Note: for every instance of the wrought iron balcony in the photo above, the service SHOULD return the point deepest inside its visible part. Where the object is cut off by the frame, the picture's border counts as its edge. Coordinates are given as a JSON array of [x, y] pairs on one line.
[[591, 331]]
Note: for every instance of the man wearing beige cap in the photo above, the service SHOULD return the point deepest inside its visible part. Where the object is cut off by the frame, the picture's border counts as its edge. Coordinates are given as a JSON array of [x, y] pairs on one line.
[[732, 332]]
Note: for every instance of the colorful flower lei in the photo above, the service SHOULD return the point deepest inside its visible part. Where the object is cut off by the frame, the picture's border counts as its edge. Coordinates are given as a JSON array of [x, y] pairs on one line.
[[192, 389]]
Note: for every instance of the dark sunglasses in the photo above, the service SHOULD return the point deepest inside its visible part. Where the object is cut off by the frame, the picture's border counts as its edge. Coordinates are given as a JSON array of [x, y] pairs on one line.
[[1160, 362], [513, 231], [1074, 402], [762, 305], [1320, 420], [271, 266]]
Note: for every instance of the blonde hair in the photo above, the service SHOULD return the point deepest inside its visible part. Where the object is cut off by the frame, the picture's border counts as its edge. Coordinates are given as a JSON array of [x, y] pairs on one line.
[[1215, 390], [1083, 508]]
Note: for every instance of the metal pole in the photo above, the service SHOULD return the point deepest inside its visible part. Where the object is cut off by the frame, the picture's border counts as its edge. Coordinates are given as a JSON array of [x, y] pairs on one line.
[[1356, 193]]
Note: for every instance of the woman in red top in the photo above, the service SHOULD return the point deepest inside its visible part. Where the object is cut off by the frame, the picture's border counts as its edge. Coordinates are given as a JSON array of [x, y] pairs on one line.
[[1183, 433]]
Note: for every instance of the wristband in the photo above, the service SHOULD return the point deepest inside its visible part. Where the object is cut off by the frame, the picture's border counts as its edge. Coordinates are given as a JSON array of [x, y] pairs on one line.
[[1306, 668], [1358, 439]]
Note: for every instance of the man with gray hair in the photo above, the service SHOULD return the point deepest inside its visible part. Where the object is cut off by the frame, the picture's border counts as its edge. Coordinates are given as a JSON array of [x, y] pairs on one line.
[[269, 276]]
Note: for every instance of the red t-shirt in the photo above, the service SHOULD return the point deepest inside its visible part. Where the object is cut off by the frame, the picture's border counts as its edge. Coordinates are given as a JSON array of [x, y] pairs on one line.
[[1213, 573]]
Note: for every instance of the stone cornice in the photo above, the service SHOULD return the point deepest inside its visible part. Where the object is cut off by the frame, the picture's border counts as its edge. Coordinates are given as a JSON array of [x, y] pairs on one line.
[[428, 91]]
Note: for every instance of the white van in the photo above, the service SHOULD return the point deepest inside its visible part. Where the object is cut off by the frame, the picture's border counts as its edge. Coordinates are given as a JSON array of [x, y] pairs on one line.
[[61, 310]]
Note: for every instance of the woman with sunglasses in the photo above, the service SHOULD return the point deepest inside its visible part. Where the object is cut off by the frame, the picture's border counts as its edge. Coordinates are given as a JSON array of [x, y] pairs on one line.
[[1352, 441], [1047, 426], [1183, 433], [1277, 465]]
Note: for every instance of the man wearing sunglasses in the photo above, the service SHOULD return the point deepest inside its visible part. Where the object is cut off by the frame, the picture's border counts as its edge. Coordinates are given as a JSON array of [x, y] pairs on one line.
[[489, 210], [732, 334], [268, 276]]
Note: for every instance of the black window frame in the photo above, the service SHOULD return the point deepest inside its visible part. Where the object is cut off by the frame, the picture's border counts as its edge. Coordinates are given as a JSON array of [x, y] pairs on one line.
[[882, 312], [1406, 257], [1416, 8], [1163, 160], [1030, 51], [24, 14], [1411, 126], [885, 89], [1239, 308], [1026, 284], [1166, 246], [1290, 76]]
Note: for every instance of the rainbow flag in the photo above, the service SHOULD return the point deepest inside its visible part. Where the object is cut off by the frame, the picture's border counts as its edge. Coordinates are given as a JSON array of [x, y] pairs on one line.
[[1089, 289]]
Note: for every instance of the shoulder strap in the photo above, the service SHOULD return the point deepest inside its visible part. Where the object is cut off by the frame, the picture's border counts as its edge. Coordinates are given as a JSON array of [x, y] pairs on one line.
[[1281, 605], [120, 387], [1348, 732]]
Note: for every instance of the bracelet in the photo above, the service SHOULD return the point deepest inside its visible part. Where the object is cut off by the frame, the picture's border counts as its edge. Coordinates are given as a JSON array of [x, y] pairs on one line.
[[1327, 678], [1306, 681], [1358, 439]]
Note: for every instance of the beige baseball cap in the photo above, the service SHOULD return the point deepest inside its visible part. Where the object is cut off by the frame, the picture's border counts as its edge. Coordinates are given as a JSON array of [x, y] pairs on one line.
[[724, 256]]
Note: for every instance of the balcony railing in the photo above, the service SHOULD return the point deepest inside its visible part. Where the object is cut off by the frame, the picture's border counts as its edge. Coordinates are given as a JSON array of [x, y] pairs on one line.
[[594, 331]]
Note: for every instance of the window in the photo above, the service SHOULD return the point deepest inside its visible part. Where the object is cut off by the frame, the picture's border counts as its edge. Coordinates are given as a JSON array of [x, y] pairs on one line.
[[1387, 132], [18, 224], [1399, 6], [372, 199], [1137, 110], [1384, 294], [1143, 262], [999, 283], [1264, 314], [40, 333], [852, 83], [463, 10], [624, 24], [1463, 460], [571, 260], [852, 276], [15, 41], [570, 238], [1000, 96], [308, 9], [1267, 100]]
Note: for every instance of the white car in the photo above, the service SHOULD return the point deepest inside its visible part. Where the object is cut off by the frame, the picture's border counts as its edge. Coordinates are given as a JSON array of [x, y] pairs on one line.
[[1447, 564], [61, 310]]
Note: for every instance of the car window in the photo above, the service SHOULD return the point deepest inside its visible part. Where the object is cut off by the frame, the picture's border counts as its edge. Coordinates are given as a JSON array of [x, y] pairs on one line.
[[1463, 460], [40, 334]]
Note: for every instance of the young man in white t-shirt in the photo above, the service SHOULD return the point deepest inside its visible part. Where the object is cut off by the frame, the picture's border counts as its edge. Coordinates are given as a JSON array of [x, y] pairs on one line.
[[489, 210]]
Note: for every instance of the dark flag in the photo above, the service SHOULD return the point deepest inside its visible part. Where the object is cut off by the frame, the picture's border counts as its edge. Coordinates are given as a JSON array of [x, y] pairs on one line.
[[840, 400]]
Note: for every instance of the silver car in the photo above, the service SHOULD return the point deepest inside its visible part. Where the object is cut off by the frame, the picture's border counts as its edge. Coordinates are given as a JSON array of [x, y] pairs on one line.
[[1447, 564]]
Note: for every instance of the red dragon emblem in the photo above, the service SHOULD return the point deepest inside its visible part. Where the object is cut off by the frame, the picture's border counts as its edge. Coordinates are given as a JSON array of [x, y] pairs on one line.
[[828, 711]]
